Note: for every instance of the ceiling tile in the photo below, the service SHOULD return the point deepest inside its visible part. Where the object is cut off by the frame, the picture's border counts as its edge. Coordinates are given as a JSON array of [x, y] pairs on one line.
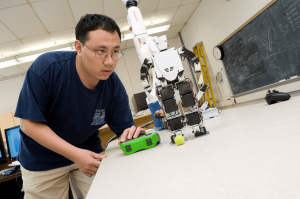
[[123, 45], [10, 3], [147, 6], [32, 1], [129, 43], [12, 70], [190, 1], [22, 21], [168, 4], [13, 48], [148, 18], [38, 42], [63, 37], [123, 24], [25, 66], [158, 34], [115, 9], [55, 14], [163, 16], [173, 31], [81, 8], [183, 14], [5, 34]]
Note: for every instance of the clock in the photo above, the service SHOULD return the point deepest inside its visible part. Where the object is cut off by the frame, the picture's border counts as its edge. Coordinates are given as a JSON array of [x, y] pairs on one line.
[[218, 52]]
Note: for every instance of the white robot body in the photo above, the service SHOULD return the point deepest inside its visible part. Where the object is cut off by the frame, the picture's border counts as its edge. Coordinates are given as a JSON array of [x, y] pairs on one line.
[[167, 69], [167, 64], [145, 47]]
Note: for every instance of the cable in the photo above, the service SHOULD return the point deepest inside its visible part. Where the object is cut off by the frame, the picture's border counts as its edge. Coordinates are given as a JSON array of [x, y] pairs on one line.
[[147, 124], [18, 183], [111, 139]]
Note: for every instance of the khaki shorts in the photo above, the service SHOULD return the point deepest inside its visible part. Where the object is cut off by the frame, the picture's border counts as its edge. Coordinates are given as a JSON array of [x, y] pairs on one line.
[[53, 183]]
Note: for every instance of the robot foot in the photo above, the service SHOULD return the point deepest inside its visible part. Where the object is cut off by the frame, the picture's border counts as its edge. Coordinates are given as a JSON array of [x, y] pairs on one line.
[[202, 131]]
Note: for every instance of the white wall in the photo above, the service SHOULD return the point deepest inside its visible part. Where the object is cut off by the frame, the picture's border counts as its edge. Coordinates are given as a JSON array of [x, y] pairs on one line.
[[212, 22], [9, 94]]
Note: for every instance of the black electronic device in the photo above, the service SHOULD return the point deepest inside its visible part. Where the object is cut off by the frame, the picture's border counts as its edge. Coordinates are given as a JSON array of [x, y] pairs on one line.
[[13, 140], [2, 151], [140, 101], [275, 96], [266, 50]]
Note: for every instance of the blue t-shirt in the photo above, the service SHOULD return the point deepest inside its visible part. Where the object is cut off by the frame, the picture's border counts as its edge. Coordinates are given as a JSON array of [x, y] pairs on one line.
[[53, 94]]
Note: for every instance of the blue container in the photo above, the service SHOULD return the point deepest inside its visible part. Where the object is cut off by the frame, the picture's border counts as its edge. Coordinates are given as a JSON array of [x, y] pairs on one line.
[[157, 122]]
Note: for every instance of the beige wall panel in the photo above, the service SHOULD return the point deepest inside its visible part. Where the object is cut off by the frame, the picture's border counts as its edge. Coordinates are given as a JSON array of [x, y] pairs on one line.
[[6, 121], [16, 119]]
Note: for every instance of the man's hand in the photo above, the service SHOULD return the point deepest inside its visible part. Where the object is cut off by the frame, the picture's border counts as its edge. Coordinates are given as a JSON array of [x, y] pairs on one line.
[[130, 133], [88, 162]]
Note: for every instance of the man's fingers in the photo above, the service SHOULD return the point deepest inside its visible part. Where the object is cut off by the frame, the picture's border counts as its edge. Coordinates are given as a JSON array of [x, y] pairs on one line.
[[137, 132], [88, 174], [93, 170], [124, 135], [131, 132], [98, 156]]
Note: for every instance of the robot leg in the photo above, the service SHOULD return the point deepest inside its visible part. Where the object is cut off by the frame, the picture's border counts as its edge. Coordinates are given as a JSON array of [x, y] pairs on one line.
[[193, 116], [172, 114]]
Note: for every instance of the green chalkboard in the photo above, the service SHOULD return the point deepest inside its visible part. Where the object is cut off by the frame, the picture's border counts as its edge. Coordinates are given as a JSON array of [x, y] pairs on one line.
[[266, 50]]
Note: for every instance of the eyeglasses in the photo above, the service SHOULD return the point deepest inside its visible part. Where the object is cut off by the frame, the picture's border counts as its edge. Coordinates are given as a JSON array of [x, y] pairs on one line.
[[101, 54]]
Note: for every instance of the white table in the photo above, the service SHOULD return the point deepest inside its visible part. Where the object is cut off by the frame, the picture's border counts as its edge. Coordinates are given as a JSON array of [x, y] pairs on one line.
[[251, 152]]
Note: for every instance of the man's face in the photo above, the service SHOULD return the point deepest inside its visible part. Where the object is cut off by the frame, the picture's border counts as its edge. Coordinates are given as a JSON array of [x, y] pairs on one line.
[[100, 40]]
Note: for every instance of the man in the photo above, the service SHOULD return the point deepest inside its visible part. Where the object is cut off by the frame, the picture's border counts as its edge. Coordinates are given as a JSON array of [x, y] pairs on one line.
[[66, 97]]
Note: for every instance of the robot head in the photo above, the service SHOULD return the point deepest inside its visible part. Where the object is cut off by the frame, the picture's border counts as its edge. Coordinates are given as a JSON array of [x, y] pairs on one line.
[[130, 3]]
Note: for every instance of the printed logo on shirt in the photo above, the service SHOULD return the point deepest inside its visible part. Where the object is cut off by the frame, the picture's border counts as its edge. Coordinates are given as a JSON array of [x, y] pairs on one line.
[[99, 117]]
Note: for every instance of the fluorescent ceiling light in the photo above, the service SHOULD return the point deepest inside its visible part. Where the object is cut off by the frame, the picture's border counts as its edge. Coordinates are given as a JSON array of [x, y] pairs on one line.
[[28, 58], [8, 63], [149, 31]]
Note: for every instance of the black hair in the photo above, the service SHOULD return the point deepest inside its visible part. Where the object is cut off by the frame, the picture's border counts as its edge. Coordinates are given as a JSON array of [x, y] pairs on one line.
[[91, 22]]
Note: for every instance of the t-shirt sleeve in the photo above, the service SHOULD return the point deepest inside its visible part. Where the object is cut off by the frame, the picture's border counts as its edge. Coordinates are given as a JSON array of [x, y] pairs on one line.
[[33, 99], [121, 118]]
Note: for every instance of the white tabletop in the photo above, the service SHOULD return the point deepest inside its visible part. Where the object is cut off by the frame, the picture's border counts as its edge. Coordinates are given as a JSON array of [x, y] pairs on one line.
[[251, 152]]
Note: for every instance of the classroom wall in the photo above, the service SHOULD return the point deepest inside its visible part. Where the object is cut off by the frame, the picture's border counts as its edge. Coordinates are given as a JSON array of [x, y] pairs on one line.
[[9, 94], [212, 22]]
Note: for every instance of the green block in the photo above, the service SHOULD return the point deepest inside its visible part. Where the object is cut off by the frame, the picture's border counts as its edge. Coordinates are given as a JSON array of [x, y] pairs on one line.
[[146, 141]]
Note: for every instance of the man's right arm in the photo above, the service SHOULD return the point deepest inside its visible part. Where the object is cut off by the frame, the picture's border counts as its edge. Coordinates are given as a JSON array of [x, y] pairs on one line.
[[41, 133]]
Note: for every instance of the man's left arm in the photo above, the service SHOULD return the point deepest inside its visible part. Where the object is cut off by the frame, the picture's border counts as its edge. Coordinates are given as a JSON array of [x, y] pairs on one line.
[[121, 122]]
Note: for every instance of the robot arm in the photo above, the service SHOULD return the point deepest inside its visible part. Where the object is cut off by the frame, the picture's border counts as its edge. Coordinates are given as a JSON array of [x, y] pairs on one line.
[[191, 57], [144, 73]]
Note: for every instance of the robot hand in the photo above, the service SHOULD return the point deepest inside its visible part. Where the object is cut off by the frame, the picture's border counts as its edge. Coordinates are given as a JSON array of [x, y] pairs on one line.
[[191, 57], [144, 73]]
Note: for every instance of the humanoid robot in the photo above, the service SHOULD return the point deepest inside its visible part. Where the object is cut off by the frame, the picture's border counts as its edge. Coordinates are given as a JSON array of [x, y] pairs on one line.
[[167, 69]]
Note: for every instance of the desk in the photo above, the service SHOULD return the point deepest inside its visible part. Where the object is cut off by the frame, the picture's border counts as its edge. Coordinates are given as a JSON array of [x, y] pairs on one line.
[[9, 187], [5, 166], [251, 152], [105, 133]]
